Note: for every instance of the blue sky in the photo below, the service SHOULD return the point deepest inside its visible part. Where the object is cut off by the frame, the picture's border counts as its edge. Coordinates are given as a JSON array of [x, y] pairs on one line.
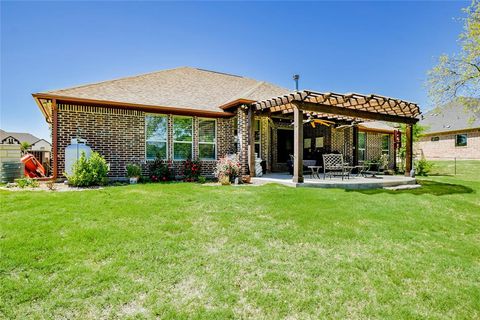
[[367, 47]]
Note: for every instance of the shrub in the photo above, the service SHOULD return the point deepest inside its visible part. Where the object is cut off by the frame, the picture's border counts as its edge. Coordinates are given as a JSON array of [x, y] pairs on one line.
[[160, 171], [191, 170], [27, 183], [133, 171], [423, 167], [202, 179], [227, 168], [89, 172]]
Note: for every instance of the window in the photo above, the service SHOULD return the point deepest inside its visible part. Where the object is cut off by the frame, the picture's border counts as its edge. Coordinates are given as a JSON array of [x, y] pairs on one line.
[[362, 143], [435, 139], [156, 136], [207, 139], [182, 138], [385, 144], [257, 134], [461, 140]]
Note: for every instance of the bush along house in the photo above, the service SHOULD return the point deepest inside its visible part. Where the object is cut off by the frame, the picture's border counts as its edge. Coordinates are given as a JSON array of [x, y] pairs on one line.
[[189, 113]]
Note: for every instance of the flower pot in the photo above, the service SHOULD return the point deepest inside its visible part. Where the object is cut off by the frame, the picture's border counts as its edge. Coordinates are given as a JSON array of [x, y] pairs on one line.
[[133, 180], [224, 181], [246, 179]]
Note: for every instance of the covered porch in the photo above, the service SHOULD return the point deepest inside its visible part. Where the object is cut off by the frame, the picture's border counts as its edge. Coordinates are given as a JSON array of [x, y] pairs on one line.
[[335, 123]]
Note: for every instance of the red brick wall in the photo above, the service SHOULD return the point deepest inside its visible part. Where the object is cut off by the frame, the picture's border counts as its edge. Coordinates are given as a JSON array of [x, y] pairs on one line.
[[116, 134], [119, 136], [445, 148]]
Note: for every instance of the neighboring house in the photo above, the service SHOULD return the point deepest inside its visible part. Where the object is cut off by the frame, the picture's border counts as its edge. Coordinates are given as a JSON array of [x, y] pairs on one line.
[[40, 148], [187, 112], [452, 131]]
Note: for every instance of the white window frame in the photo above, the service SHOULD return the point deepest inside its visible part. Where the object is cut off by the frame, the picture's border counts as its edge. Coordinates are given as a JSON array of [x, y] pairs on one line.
[[146, 141], [214, 140], [364, 149], [259, 136], [185, 142], [386, 151]]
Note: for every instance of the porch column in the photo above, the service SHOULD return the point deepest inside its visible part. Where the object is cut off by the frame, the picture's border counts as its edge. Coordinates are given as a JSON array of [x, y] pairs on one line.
[[298, 145], [408, 150], [251, 142]]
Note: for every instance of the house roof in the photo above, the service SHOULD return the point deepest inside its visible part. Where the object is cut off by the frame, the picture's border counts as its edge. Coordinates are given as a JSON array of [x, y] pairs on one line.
[[20, 136], [453, 116], [184, 87]]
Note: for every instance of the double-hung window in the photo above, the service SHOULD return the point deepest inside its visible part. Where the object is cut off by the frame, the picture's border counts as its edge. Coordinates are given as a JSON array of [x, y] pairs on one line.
[[362, 143], [385, 144], [207, 137], [156, 136], [182, 138]]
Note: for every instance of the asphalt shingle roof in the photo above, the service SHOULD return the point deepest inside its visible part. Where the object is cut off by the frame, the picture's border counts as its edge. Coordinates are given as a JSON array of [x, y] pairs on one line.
[[183, 87], [20, 136], [453, 116]]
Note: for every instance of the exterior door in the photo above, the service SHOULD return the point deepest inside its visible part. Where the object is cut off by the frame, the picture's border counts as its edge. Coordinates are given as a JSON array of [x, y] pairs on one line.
[[284, 145]]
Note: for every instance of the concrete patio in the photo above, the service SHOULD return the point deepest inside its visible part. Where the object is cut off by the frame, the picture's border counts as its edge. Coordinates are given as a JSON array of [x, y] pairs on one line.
[[353, 182]]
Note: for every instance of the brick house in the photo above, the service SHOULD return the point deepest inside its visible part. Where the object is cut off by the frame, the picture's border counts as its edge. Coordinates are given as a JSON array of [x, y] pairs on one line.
[[451, 131], [193, 113]]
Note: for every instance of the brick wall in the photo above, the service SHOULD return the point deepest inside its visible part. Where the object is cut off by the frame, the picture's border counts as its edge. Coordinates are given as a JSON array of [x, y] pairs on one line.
[[445, 148], [119, 136]]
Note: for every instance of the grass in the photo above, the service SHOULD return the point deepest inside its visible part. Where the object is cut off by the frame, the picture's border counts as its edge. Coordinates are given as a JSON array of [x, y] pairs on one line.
[[181, 251]]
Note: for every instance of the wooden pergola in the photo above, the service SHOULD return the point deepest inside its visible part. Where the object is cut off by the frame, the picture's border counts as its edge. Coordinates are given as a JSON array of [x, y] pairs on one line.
[[335, 106]]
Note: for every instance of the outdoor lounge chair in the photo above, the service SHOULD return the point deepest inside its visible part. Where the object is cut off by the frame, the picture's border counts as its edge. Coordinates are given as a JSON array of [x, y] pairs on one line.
[[334, 165]]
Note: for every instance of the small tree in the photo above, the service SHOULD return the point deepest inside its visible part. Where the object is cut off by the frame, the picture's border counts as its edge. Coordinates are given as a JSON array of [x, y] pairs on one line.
[[24, 146], [457, 77], [417, 132]]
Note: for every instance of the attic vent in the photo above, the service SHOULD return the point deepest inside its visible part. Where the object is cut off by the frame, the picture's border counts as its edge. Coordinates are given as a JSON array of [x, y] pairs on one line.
[[226, 74]]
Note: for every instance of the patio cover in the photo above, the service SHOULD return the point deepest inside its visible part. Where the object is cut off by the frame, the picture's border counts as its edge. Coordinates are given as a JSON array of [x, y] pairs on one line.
[[336, 106], [352, 106]]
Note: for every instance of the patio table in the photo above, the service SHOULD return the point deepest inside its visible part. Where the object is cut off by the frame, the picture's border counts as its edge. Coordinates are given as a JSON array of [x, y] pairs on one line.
[[315, 171]]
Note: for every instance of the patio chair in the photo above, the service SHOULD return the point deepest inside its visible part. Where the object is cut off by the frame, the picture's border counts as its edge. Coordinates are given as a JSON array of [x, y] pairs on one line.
[[333, 164]]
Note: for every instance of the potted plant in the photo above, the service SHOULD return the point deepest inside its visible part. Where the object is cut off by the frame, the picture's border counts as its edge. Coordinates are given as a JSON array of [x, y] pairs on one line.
[[133, 172], [383, 162], [228, 168]]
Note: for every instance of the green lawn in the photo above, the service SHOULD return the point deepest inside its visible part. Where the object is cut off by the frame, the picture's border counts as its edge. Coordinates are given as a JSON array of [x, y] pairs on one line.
[[183, 251]]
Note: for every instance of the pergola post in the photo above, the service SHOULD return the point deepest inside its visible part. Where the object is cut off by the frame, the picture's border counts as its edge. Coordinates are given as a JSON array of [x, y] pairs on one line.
[[408, 149], [251, 142], [298, 145]]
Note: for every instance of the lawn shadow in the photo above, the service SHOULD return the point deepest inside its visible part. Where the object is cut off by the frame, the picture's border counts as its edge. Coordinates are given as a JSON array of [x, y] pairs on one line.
[[428, 187]]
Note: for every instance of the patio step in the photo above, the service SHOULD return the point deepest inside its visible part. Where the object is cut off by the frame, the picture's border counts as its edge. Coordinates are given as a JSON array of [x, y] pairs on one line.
[[403, 187]]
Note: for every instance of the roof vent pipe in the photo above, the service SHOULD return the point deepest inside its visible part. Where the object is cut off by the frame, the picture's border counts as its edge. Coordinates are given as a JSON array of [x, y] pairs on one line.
[[295, 78]]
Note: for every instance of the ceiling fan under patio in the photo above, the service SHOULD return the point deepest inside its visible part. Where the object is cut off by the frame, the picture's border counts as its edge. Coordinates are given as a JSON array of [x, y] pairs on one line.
[[344, 126], [314, 121]]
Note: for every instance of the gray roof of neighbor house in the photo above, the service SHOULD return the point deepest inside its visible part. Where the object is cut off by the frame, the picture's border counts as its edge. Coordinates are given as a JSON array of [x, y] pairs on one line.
[[453, 116], [20, 136], [183, 87]]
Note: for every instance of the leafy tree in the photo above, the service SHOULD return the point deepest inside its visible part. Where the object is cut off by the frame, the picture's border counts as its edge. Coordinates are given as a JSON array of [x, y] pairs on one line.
[[418, 130], [458, 76], [24, 146]]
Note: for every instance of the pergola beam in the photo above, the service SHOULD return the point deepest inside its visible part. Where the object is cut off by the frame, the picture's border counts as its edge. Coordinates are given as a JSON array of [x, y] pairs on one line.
[[354, 113]]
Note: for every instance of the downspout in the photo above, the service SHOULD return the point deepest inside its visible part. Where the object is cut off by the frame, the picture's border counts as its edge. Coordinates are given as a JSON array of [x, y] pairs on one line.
[[54, 139]]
